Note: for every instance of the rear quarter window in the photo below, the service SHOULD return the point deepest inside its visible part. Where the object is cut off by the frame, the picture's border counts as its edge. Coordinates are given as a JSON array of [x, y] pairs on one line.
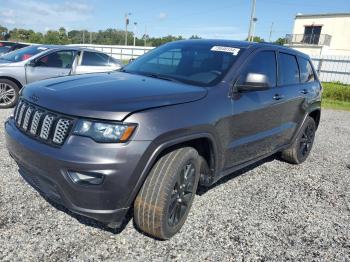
[[306, 72]]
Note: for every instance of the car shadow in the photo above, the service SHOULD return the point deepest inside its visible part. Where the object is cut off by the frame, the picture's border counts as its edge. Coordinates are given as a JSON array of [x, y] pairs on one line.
[[89, 221], [203, 189]]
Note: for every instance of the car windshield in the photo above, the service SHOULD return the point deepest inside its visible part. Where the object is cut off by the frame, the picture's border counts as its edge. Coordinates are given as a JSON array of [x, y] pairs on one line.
[[197, 63], [24, 53]]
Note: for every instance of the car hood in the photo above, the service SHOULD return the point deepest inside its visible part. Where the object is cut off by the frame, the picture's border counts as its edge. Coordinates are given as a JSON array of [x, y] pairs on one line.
[[110, 96]]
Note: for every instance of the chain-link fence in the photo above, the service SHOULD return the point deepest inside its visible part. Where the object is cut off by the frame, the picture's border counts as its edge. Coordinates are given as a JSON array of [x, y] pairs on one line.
[[333, 68]]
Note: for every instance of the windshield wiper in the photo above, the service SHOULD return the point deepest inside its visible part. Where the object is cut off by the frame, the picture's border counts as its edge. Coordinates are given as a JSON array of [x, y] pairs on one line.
[[153, 75], [162, 77]]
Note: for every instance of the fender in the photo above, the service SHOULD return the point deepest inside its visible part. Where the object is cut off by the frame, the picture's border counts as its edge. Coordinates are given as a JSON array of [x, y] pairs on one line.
[[154, 151], [297, 132]]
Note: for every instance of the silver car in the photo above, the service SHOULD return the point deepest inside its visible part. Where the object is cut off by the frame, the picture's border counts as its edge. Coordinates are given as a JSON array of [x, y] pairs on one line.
[[40, 62]]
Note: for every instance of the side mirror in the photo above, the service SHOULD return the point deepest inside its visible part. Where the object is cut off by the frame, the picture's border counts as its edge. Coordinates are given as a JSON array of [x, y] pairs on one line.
[[254, 82]]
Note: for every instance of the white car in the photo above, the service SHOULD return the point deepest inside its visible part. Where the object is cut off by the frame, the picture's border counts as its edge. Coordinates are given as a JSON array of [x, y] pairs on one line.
[[40, 62]]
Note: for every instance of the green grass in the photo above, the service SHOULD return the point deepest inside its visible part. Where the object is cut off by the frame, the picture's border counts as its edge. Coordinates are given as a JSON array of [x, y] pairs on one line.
[[336, 96], [334, 104], [336, 91]]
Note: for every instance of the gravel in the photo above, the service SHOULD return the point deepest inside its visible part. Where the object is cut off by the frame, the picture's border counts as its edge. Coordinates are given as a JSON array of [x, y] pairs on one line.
[[271, 211]]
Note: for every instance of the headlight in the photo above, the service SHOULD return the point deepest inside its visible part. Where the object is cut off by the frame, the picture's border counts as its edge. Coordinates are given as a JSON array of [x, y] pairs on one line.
[[104, 132]]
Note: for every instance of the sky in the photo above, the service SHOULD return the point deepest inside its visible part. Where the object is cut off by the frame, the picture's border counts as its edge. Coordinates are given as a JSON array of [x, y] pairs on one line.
[[225, 19]]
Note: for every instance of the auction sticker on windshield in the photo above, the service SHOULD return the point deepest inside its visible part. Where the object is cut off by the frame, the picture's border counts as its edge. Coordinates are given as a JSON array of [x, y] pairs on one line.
[[226, 49]]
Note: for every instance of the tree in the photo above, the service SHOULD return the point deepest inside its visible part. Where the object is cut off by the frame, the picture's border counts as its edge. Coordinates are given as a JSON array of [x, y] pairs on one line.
[[280, 41], [3, 33], [103, 37], [195, 37], [257, 39]]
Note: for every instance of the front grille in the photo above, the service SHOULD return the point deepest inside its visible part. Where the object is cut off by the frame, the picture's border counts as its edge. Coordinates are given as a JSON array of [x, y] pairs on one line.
[[39, 123]]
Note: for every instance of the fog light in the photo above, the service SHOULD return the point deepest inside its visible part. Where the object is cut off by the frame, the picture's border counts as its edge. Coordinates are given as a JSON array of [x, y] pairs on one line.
[[81, 178]]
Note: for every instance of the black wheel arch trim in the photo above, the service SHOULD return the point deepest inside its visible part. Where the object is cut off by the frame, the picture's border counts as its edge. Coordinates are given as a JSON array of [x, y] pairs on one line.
[[156, 149], [308, 113]]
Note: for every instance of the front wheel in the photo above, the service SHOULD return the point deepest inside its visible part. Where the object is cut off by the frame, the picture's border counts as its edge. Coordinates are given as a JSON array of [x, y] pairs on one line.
[[302, 145], [8, 93], [165, 199]]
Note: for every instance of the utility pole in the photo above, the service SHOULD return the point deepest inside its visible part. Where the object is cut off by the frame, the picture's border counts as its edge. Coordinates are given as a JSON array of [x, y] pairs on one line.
[[271, 30], [83, 36], [252, 16], [135, 24], [126, 27], [253, 31], [145, 36]]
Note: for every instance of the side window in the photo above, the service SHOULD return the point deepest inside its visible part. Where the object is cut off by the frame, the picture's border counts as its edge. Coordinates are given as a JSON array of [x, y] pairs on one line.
[[263, 63], [288, 69], [59, 59], [306, 71], [94, 59]]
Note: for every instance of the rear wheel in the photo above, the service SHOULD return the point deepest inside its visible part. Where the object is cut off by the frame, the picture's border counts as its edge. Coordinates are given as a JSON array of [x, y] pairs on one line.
[[165, 199], [8, 93], [302, 145]]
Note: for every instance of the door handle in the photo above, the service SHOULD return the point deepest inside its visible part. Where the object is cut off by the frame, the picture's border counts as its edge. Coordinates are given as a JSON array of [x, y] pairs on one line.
[[278, 97], [304, 91]]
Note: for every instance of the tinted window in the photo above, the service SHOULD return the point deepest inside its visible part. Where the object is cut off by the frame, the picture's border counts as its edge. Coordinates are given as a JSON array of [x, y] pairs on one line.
[[289, 71], [94, 59], [60, 59], [306, 71], [197, 63], [262, 63]]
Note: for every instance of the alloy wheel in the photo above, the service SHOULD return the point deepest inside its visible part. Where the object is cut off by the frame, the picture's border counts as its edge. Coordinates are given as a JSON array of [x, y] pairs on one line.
[[306, 140], [7, 94], [182, 194]]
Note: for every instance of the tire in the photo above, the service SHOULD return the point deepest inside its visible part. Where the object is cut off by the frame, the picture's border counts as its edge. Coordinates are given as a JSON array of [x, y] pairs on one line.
[[162, 205], [301, 148], [9, 92]]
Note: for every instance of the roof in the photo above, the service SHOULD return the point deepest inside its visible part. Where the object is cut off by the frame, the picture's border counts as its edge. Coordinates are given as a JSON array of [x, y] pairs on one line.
[[233, 43], [64, 47], [322, 15], [244, 44]]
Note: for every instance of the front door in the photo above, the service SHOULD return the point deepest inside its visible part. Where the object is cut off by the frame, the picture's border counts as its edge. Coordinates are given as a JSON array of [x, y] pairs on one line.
[[55, 64], [255, 126]]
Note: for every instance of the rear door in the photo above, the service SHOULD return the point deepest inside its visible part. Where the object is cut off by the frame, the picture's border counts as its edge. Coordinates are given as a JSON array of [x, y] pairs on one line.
[[94, 62], [255, 124], [297, 84], [54, 64]]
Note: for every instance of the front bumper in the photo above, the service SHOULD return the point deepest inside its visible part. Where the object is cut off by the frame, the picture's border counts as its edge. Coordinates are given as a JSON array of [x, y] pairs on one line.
[[46, 168]]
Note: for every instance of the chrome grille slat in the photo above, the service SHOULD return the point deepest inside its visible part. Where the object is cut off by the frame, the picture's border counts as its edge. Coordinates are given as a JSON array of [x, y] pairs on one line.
[[27, 117], [46, 127], [61, 131], [35, 122], [21, 112], [42, 124], [17, 110]]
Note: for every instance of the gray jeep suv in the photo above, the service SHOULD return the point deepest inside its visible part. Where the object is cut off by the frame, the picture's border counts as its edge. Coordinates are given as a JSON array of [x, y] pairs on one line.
[[143, 138]]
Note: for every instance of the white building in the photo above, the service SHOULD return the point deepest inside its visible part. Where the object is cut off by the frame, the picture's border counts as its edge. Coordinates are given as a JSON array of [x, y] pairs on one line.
[[321, 34]]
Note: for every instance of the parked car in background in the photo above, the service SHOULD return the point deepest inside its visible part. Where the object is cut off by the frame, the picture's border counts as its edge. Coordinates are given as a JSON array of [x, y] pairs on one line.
[[40, 62], [142, 139], [6, 47]]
